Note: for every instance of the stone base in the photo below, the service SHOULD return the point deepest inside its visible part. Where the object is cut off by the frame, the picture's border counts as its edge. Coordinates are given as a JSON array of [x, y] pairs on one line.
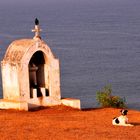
[[30, 104], [43, 101], [9, 104], [36, 102], [74, 103]]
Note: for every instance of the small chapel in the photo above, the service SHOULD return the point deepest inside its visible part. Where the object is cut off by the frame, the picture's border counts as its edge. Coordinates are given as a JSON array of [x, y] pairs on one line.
[[31, 75]]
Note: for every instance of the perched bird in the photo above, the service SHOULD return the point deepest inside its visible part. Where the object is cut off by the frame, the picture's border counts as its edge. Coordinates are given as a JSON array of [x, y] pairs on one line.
[[36, 21]]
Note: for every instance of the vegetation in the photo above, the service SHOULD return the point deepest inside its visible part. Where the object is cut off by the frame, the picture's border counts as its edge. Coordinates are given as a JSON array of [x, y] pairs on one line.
[[106, 99]]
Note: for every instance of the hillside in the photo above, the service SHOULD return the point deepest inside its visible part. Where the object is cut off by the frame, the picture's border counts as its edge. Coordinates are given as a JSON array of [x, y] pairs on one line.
[[63, 123]]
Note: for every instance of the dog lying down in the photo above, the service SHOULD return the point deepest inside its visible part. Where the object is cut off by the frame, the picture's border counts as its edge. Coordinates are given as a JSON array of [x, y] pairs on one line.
[[121, 120]]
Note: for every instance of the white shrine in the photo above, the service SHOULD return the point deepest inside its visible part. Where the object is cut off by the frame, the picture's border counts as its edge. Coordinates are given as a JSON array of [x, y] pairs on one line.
[[31, 75]]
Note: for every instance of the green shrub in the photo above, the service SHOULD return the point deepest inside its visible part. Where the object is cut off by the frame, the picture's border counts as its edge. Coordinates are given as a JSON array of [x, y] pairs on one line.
[[105, 98]]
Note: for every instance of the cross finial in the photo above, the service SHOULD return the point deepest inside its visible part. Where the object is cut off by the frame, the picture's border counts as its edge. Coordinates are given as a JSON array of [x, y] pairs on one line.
[[37, 29]]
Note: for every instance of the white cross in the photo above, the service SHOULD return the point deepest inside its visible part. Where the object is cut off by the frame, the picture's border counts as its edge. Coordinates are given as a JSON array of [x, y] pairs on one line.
[[37, 30]]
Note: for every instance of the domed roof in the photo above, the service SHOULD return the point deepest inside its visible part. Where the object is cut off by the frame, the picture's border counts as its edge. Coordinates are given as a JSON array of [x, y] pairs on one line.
[[18, 48]]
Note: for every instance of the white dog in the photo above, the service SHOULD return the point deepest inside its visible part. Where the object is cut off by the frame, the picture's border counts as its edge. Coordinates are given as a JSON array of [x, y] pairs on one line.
[[121, 120]]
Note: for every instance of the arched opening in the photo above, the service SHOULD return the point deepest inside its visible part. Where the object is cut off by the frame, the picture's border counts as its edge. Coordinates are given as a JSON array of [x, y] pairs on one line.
[[37, 75]]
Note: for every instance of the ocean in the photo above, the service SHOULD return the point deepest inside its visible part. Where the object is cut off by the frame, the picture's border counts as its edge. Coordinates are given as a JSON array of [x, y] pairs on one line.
[[97, 42]]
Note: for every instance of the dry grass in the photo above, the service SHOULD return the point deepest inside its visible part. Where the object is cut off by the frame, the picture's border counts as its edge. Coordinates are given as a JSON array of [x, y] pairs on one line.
[[63, 123]]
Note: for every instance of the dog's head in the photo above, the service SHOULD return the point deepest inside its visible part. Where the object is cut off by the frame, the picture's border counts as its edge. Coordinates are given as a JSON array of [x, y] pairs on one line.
[[124, 112]]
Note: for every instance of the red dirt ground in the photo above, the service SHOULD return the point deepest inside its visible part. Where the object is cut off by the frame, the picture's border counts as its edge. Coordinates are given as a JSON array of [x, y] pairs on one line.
[[63, 123]]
